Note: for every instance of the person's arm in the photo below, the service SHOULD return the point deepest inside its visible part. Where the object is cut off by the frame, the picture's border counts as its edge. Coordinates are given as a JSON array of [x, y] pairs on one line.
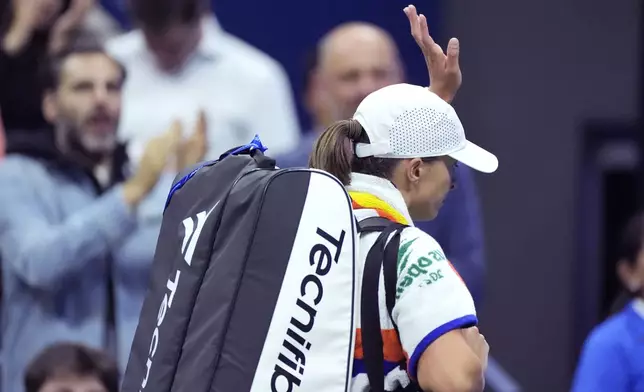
[[459, 228], [450, 364], [432, 309], [273, 114], [43, 252], [601, 366], [138, 248], [25, 14]]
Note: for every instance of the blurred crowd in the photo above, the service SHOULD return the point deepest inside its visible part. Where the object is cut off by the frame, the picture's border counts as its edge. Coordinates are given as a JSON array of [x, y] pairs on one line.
[[94, 102]]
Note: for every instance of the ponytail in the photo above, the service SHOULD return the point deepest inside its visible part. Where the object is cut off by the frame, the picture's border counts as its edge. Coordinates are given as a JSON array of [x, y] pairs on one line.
[[333, 152]]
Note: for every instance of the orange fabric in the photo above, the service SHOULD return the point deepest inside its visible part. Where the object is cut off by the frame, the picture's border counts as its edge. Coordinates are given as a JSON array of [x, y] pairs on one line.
[[392, 349], [362, 200], [381, 213]]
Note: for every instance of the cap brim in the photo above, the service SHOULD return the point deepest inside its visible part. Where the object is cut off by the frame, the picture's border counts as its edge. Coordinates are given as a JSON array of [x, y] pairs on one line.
[[477, 158]]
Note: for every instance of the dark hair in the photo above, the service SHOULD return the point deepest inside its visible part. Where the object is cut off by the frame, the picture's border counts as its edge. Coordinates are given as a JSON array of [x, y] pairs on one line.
[[334, 152], [632, 240], [629, 247], [71, 359], [83, 43], [159, 15]]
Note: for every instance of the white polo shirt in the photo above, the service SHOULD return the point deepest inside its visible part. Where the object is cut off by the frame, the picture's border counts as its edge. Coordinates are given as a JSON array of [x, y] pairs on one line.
[[242, 90], [431, 298]]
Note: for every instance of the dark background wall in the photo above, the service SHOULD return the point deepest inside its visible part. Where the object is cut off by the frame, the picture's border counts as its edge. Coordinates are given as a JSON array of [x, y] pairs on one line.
[[534, 72]]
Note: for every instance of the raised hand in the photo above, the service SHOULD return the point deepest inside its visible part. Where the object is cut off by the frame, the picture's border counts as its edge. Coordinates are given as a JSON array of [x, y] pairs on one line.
[[68, 22], [26, 16], [158, 153], [444, 70]]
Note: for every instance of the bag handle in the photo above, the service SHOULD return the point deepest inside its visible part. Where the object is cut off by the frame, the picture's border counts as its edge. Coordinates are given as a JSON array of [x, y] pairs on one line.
[[255, 149]]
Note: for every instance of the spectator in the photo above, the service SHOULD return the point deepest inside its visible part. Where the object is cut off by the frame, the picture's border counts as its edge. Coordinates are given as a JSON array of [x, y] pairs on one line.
[[612, 358], [29, 30], [70, 367], [180, 62], [350, 62], [75, 256]]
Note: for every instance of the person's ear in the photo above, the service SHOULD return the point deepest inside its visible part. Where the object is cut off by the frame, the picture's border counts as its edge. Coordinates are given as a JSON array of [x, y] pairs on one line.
[[414, 170], [50, 107], [628, 277]]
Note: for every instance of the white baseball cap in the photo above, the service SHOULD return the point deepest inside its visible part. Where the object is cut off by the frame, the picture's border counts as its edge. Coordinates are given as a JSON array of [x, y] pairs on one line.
[[408, 121]]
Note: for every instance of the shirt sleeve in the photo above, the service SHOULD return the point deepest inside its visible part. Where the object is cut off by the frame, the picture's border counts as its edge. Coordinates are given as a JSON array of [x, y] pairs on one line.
[[42, 251], [431, 297]]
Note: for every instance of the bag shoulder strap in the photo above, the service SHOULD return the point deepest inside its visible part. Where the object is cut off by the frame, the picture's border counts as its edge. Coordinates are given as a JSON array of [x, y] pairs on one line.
[[375, 224], [382, 255]]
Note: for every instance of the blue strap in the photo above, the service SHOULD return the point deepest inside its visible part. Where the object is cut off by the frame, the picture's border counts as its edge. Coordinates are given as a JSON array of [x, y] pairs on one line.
[[255, 144]]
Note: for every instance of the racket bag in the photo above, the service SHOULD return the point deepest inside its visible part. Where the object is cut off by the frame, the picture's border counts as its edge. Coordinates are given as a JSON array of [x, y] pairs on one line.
[[252, 285]]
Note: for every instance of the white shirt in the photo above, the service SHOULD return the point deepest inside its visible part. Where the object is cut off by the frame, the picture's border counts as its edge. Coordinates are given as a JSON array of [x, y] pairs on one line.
[[638, 306], [242, 90], [431, 298]]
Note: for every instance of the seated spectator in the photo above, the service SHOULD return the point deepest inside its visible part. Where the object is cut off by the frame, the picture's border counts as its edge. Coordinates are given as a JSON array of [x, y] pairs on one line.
[[181, 63], [29, 30], [75, 254], [69, 367], [351, 61], [612, 359]]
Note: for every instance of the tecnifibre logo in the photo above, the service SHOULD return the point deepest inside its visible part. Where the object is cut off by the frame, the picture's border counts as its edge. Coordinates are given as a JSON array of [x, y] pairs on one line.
[[188, 245], [192, 234], [291, 361]]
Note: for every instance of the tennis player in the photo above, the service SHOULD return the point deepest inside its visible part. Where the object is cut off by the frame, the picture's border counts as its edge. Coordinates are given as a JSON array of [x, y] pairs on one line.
[[396, 157]]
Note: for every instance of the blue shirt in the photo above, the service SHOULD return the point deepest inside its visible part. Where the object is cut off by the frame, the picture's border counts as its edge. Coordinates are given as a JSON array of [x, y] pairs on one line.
[[457, 227], [612, 359], [58, 240]]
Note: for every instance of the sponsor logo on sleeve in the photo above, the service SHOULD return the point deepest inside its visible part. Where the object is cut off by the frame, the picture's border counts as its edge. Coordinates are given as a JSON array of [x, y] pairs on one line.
[[417, 269]]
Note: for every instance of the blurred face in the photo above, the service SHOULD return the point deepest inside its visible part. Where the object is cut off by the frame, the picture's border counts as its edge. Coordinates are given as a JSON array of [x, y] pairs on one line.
[[354, 63], [87, 104], [73, 384], [425, 184], [172, 48], [632, 275]]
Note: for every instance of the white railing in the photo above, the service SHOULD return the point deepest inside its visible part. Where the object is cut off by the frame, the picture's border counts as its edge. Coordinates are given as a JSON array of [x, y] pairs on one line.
[[498, 379]]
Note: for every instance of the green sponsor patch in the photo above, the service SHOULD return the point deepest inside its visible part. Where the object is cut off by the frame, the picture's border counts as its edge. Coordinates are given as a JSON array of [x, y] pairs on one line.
[[418, 269]]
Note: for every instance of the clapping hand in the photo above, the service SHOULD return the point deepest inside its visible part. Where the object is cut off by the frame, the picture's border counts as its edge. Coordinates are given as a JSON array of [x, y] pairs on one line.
[[193, 149]]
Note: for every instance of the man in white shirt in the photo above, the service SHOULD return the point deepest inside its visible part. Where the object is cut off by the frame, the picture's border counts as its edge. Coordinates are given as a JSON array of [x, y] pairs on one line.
[[180, 63]]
